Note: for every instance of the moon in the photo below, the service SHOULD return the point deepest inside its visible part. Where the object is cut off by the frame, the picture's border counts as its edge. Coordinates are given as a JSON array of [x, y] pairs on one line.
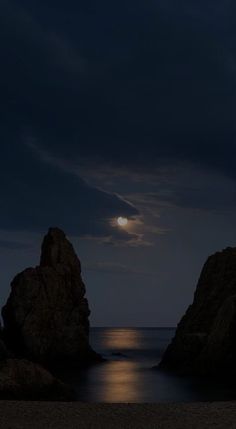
[[122, 221]]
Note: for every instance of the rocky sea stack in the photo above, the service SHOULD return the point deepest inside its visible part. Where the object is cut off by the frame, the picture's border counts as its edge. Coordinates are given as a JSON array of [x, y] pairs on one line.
[[46, 318], [205, 340]]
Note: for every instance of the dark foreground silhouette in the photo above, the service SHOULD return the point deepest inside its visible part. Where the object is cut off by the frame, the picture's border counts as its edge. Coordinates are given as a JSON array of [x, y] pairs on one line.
[[205, 340], [46, 322]]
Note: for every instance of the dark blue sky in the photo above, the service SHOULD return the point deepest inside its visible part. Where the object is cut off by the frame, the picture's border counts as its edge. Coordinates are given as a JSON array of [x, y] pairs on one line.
[[119, 109]]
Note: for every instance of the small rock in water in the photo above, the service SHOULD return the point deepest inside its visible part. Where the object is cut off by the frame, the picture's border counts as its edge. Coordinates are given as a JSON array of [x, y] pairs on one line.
[[119, 354]]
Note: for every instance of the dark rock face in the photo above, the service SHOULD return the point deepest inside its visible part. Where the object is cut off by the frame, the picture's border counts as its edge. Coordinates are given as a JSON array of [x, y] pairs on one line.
[[46, 315], [205, 340], [4, 353], [24, 380]]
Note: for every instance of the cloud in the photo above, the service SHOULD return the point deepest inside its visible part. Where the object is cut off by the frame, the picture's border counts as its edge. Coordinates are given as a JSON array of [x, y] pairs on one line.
[[116, 268], [37, 193], [117, 239], [157, 89], [113, 113], [173, 183], [31, 33]]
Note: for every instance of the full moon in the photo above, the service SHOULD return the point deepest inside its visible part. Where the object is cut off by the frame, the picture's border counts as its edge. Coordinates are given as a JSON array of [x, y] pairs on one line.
[[122, 221]]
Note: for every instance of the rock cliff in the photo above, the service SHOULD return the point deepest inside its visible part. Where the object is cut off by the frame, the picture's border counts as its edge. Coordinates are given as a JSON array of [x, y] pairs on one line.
[[205, 340], [46, 318]]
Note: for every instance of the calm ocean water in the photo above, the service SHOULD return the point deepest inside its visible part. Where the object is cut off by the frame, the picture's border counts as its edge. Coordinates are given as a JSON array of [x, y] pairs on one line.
[[128, 375]]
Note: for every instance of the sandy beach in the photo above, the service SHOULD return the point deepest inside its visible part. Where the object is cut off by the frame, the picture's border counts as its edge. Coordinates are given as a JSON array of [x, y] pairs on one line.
[[61, 415]]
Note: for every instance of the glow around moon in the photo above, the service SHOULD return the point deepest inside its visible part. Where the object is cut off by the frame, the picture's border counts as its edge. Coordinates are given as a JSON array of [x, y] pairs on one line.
[[122, 221]]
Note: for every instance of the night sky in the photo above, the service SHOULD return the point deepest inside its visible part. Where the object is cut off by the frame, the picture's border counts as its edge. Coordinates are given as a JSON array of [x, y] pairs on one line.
[[119, 108]]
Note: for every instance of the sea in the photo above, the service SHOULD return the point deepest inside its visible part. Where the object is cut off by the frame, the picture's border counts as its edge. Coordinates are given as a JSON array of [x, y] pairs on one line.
[[129, 373]]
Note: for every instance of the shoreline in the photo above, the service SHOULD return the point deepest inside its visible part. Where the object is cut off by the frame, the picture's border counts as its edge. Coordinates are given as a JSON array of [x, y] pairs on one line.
[[71, 415]]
